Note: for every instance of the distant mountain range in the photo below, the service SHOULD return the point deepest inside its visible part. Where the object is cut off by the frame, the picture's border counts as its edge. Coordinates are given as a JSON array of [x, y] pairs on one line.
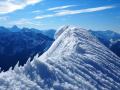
[[49, 33], [19, 44]]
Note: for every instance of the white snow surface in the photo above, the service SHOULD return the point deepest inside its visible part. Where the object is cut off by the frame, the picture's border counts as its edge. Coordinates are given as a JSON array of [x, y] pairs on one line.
[[75, 61]]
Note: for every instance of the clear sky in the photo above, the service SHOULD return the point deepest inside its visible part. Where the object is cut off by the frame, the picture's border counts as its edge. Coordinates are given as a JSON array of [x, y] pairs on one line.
[[46, 14]]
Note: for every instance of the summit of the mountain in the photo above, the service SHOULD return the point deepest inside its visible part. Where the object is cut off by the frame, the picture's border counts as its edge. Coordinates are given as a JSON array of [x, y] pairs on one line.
[[15, 28]]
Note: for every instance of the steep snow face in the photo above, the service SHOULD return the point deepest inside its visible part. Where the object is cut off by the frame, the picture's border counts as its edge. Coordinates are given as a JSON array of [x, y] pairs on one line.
[[75, 61]]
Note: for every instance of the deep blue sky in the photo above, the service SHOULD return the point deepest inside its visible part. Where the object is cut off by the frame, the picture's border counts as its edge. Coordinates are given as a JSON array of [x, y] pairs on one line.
[[45, 14]]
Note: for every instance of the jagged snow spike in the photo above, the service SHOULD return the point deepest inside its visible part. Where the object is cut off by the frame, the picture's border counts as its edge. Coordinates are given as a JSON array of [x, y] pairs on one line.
[[10, 69], [17, 65]]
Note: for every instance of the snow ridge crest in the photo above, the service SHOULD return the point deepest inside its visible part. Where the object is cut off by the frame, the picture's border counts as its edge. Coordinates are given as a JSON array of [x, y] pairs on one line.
[[64, 28]]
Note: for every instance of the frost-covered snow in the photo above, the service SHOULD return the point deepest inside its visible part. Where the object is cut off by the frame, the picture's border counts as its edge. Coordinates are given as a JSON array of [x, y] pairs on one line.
[[75, 61]]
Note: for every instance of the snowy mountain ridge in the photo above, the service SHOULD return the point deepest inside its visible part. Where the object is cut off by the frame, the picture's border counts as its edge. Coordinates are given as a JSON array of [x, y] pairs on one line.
[[75, 61]]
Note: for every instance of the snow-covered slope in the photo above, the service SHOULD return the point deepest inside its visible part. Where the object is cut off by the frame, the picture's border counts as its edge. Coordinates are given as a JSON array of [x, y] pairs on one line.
[[75, 61], [109, 38]]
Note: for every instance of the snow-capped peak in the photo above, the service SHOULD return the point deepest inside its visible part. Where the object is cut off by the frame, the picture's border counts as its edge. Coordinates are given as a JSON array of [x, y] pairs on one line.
[[75, 61], [64, 28], [60, 31]]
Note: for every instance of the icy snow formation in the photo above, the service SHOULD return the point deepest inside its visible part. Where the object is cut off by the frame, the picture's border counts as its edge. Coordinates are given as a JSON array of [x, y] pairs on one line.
[[75, 61]]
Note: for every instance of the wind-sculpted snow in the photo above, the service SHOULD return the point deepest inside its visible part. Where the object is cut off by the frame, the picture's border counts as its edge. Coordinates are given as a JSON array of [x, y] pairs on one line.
[[75, 61]]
